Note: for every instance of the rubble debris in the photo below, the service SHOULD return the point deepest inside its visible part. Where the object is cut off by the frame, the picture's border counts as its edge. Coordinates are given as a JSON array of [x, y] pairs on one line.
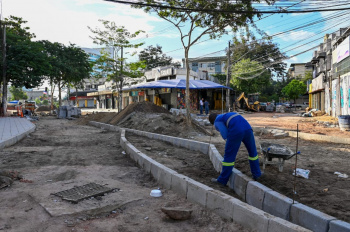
[[177, 213]]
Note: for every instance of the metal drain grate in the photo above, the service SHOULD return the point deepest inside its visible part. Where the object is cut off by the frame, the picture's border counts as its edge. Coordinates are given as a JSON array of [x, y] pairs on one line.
[[79, 193]]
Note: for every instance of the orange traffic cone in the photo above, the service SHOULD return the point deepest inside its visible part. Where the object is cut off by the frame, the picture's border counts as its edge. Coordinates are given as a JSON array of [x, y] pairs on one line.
[[22, 114]]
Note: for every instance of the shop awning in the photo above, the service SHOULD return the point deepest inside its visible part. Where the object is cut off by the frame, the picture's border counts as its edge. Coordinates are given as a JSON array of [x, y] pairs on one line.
[[179, 84]]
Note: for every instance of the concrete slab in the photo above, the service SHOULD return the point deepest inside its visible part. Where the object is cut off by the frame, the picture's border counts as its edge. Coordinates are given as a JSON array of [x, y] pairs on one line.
[[339, 226], [278, 224], [277, 204], [179, 184], [216, 201], [310, 218], [255, 194], [197, 192], [13, 129]]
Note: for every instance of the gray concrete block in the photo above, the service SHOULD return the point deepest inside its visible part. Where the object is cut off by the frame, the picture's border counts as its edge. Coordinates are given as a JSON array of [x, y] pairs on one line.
[[197, 192], [179, 184], [339, 226], [278, 224], [165, 175], [147, 164], [277, 204], [155, 169], [255, 194], [238, 182], [251, 217], [216, 201], [310, 218]]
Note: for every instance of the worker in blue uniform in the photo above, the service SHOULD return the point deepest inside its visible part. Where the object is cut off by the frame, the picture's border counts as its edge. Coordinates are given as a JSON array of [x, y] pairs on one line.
[[235, 129]]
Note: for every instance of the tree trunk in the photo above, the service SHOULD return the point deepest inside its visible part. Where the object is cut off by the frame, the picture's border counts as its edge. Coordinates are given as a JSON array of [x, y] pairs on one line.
[[187, 95], [59, 94], [4, 80], [52, 91]]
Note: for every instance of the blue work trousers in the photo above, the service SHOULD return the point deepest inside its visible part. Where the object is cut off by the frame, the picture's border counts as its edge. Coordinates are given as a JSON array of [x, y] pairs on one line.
[[201, 109], [231, 148]]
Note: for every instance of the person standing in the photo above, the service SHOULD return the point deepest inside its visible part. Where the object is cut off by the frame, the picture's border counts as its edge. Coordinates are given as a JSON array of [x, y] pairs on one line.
[[206, 107], [201, 106], [235, 129]]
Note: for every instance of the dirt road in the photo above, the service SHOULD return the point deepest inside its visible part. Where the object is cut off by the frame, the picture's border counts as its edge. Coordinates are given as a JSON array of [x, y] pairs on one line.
[[324, 190], [60, 155]]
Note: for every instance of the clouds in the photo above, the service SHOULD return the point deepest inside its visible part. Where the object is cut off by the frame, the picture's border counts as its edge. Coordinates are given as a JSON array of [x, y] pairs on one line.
[[67, 21]]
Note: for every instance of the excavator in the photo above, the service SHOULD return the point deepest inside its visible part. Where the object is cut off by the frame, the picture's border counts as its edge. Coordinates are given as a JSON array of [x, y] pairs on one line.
[[252, 106]]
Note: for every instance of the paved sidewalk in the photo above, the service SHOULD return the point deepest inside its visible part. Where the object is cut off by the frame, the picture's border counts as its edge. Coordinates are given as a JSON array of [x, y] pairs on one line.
[[13, 129]]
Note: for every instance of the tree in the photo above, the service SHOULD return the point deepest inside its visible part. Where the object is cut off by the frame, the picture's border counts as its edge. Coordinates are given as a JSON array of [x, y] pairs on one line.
[[248, 76], [294, 89], [110, 64], [17, 93], [154, 57], [25, 62], [203, 20], [69, 66]]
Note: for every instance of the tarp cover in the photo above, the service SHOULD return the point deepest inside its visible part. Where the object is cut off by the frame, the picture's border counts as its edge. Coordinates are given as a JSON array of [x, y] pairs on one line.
[[179, 84]]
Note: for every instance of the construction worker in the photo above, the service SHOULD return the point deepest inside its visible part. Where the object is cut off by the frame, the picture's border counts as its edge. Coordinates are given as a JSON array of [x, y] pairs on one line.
[[235, 129]]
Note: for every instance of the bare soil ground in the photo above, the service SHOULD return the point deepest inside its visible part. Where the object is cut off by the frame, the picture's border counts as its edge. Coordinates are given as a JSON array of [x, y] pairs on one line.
[[62, 154], [323, 191]]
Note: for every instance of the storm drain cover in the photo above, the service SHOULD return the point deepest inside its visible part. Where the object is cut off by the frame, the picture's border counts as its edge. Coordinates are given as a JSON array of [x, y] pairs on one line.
[[80, 193]]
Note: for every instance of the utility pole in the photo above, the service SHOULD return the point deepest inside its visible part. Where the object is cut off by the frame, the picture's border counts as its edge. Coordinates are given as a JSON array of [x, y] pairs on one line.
[[228, 76]]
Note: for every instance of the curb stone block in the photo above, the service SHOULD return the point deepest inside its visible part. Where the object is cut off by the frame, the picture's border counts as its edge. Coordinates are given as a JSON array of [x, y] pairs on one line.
[[155, 169], [339, 226], [165, 175], [147, 164], [278, 224], [216, 201], [250, 217], [197, 192], [240, 182], [230, 182], [277, 204], [255, 194], [310, 218], [179, 184]]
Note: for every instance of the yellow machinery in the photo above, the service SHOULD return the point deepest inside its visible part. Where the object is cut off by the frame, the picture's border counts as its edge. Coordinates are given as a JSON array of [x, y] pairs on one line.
[[252, 105]]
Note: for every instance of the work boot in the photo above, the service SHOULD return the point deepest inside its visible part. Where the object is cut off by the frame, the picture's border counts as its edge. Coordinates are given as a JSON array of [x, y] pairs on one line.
[[214, 180], [261, 177]]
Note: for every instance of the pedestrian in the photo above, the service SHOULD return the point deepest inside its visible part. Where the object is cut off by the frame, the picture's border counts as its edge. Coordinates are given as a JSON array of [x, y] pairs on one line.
[[206, 107], [201, 106], [235, 129]]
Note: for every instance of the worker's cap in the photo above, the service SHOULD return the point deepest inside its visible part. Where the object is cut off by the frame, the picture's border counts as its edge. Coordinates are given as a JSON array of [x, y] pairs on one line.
[[212, 118]]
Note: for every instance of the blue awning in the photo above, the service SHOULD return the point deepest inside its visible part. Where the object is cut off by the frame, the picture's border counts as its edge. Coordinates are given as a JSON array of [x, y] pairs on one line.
[[179, 84]]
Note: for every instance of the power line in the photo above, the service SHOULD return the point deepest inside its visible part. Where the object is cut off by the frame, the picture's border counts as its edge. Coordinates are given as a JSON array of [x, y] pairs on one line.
[[231, 11]]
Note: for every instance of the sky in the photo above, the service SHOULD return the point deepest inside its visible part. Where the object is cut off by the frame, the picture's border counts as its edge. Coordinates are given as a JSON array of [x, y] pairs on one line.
[[67, 21]]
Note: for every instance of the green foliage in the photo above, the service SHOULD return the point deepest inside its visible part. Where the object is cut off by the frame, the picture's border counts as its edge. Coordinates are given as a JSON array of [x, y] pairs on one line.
[[248, 76], [45, 102], [194, 25], [37, 101], [221, 78], [294, 89], [154, 57], [308, 76], [17, 93], [26, 62]]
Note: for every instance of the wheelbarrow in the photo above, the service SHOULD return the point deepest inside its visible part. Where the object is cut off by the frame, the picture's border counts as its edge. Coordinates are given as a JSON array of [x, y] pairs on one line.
[[271, 151]]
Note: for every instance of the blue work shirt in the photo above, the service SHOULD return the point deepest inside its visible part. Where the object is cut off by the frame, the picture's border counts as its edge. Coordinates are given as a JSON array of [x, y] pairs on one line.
[[236, 125]]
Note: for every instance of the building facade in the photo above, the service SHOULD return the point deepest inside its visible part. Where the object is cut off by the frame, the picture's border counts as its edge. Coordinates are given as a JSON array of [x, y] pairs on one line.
[[329, 88], [209, 65]]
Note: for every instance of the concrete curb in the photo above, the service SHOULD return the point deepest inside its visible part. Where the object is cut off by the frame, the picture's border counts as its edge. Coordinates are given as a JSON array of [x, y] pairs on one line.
[[15, 139], [224, 205], [265, 209]]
